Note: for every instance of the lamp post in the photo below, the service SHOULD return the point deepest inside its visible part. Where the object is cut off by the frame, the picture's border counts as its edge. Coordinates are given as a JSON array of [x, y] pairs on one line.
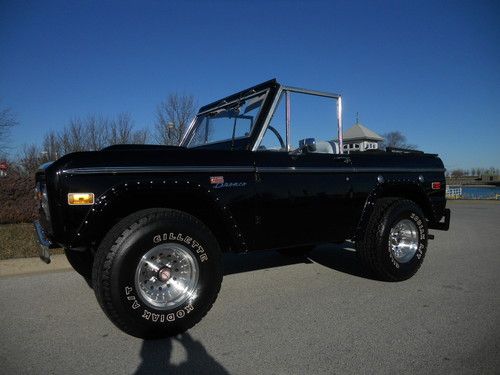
[[170, 126]]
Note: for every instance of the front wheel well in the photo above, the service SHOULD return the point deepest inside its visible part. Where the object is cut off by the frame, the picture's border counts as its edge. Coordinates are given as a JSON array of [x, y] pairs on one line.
[[198, 206]]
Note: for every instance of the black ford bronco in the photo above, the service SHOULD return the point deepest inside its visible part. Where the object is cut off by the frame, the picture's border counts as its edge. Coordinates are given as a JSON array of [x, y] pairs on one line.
[[146, 225]]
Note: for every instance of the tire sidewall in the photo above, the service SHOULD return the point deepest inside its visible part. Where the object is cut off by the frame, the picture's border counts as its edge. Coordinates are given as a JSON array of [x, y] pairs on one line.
[[396, 213], [127, 299]]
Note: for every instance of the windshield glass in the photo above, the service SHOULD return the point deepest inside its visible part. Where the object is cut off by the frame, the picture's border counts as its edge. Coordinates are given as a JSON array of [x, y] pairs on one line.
[[232, 121]]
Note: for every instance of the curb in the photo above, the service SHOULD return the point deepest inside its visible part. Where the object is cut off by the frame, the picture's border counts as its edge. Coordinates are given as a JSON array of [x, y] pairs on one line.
[[29, 266]]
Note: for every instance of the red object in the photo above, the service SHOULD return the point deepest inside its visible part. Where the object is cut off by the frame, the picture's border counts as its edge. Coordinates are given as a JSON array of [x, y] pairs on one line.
[[436, 185], [217, 180], [4, 166]]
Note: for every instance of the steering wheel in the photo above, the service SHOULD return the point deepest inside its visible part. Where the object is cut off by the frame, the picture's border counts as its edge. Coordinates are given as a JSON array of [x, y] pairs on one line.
[[277, 134]]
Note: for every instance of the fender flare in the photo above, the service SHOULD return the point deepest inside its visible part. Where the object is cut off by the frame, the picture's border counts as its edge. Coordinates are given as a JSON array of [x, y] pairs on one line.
[[403, 188], [159, 192]]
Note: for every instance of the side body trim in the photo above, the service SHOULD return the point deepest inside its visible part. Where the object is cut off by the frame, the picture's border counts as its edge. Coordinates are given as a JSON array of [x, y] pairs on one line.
[[243, 169], [159, 169], [344, 170]]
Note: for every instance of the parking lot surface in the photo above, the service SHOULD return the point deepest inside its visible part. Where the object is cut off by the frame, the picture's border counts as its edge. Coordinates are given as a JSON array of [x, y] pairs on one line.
[[278, 315]]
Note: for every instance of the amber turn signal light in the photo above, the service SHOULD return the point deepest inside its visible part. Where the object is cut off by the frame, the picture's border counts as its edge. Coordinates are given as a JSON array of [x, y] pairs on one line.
[[80, 198]]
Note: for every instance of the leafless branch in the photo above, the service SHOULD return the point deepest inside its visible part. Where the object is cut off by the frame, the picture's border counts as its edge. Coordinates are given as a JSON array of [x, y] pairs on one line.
[[172, 118], [7, 122], [397, 139]]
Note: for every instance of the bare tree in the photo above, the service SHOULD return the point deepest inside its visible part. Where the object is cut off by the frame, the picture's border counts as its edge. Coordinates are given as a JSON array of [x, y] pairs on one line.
[[7, 122], [457, 172], [97, 132], [140, 137], [51, 147], [172, 118], [397, 139], [30, 159], [73, 138], [93, 133], [120, 131]]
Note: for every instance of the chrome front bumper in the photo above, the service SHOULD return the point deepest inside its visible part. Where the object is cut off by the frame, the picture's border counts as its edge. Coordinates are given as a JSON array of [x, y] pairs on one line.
[[45, 243]]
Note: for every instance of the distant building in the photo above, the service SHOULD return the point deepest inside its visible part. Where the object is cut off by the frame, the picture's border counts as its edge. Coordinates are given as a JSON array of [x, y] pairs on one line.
[[360, 138]]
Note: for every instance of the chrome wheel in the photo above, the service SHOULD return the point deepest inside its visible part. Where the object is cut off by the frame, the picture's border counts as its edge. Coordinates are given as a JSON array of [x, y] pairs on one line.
[[166, 276], [403, 240]]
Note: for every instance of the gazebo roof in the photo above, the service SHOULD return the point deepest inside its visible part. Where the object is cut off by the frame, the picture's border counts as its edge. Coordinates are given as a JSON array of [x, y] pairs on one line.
[[360, 132]]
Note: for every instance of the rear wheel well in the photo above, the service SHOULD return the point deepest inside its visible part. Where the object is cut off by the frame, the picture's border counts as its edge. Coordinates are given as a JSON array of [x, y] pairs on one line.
[[414, 195]]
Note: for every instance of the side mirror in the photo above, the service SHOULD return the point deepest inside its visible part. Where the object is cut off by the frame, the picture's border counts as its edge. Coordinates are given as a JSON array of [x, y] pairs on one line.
[[307, 145]]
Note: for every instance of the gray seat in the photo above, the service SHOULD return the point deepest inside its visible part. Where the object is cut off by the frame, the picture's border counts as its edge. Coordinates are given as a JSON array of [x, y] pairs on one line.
[[323, 147]]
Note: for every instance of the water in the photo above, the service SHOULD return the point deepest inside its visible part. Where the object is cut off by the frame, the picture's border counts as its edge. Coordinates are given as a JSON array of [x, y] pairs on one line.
[[480, 192]]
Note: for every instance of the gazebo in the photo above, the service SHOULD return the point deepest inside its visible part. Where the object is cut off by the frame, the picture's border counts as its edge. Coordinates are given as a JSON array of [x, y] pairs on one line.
[[360, 138]]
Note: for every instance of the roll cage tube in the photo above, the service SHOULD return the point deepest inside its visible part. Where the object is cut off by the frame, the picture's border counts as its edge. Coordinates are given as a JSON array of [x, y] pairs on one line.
[[287, 90]]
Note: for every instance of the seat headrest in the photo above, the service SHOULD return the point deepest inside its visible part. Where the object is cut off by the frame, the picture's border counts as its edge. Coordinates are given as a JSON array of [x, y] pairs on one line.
[[323, 147]]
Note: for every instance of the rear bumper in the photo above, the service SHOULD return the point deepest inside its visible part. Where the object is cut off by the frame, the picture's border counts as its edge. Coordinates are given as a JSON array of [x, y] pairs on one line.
[[44, 242], [442, 225]]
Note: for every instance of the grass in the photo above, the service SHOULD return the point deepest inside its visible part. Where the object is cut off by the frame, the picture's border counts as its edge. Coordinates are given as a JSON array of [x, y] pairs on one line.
[[19, 241]]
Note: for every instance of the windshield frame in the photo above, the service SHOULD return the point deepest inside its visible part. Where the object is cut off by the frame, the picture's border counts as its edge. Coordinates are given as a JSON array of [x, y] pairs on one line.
[[222, 104]]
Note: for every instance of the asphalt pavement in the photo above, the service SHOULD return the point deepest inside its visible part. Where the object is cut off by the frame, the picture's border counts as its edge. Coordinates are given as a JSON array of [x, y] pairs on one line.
[[275, 315]]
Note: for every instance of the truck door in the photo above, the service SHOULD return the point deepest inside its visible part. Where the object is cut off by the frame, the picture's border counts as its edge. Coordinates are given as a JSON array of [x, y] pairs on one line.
[[301, 199], [303, 194]]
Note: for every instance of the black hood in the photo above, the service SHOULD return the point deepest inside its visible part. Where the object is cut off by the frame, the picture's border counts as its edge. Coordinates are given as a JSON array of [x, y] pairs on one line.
[[128, 147]]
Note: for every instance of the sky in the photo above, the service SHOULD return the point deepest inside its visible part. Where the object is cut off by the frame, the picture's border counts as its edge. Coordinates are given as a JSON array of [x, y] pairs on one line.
[[430, 69]]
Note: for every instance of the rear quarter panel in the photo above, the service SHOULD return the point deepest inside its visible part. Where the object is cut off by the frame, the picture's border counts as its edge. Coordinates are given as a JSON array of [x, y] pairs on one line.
[[406, 175]]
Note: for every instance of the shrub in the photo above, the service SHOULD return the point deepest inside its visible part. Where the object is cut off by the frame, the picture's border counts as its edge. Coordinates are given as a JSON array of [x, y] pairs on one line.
[[17, 203]]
